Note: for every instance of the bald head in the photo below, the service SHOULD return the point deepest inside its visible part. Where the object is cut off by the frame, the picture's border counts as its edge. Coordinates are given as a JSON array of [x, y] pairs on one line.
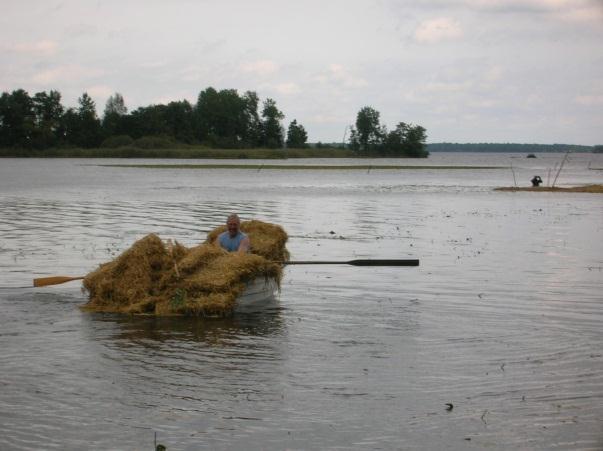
[[232, 224]]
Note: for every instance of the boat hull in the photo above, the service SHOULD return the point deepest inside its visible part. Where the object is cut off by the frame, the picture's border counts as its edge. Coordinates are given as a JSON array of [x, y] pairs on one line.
[[259, 294]]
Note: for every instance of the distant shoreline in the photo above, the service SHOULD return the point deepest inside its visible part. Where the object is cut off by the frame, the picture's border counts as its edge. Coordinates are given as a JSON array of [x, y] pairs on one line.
[[510, 148]]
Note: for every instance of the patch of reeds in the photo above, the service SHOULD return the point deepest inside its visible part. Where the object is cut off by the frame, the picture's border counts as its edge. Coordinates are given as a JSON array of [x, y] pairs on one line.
[[556, 189], [164, 278]]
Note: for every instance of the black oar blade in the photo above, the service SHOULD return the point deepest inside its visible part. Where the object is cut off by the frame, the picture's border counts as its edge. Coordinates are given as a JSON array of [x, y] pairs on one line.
[[361, 262], [387, 262]]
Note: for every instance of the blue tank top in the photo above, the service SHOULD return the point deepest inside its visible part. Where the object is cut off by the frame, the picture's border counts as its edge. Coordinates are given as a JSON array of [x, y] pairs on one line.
[[231, 244]]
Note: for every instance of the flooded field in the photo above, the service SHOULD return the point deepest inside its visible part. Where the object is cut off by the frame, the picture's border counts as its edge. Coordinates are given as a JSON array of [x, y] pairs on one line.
[[494, 342]]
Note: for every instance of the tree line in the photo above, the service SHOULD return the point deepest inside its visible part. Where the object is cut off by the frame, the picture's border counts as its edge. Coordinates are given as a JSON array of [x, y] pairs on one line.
[[219, 119]]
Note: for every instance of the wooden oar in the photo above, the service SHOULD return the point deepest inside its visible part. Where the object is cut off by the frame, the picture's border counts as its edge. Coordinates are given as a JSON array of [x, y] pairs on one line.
[[362, 262], [54, 280]]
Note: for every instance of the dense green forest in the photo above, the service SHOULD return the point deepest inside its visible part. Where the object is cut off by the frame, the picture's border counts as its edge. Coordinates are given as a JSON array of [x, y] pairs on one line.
[[507, 148], [40, 125]]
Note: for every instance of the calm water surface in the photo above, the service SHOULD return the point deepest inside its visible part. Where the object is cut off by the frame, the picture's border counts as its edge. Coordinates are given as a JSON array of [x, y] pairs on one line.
[[503, 319]]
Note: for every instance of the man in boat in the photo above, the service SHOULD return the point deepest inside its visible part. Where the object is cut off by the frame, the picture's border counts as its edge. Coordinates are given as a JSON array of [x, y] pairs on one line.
[[233, 240]]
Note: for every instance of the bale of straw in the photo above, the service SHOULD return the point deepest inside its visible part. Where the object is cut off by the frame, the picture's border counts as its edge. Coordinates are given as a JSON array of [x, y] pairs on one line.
[[165, 278]]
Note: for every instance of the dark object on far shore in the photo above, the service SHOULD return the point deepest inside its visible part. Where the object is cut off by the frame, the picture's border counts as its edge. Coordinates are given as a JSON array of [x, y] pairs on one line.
[[536, 180], [531, 155]]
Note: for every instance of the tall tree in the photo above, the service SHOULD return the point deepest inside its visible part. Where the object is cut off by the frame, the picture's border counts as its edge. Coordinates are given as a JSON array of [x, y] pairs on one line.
[[253, 133], [87, 107], [17, 119], [273, 133], [416, 138], [203, 113], [296, 135], [48, 113], [368, 134], [113, 122], [82, 126], [179, 121], [115, 104], [91, 126], [148, 121], [224, 118]]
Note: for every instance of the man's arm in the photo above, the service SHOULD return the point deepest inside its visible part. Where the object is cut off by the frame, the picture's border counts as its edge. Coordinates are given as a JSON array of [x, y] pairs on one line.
[[245, 245]]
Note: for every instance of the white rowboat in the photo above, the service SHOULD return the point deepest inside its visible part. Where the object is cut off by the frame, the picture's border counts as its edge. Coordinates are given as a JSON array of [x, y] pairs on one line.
[[259, 294]]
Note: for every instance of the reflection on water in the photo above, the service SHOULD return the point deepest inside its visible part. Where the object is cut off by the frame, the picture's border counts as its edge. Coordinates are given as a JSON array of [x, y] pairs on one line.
[[502, 319], [211, 332]]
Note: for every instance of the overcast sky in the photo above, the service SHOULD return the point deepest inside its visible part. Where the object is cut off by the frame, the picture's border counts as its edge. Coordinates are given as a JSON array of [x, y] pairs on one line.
[[523, 71]]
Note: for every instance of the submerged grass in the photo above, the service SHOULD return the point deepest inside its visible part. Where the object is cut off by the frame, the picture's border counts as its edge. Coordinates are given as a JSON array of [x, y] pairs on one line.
[[258, 167], [575, 189], [164, 278]]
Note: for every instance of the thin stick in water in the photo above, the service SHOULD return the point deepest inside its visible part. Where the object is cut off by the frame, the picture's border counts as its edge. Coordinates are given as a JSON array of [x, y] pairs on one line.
[[560, 167], [513, 171]]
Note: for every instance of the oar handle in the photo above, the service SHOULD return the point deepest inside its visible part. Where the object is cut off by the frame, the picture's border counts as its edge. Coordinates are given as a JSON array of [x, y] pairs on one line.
[[54, 280], [361, 262]]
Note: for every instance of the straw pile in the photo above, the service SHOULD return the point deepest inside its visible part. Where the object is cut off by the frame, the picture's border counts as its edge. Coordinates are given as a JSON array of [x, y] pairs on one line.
[[164, 278]]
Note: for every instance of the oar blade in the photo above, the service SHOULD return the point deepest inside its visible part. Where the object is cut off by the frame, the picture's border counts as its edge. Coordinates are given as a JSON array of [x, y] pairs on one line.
[[54, 280], [360, 262], [386, 262]]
